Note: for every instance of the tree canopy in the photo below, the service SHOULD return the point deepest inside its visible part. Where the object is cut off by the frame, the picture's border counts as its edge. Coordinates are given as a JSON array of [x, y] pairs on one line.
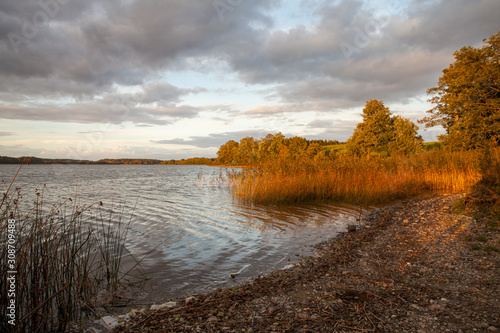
[[271, 148], [406, 140], [380, 132], [467, 98]]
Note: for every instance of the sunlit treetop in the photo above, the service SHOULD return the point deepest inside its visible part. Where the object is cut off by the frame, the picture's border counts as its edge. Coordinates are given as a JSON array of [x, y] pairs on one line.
[[467, 98]]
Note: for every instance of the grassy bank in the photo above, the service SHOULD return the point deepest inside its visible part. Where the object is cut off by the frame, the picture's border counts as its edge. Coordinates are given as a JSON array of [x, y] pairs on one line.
[[358, 180]]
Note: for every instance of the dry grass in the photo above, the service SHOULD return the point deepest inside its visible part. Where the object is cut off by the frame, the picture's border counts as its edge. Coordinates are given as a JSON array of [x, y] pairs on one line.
[[355, 180], [65, 256]]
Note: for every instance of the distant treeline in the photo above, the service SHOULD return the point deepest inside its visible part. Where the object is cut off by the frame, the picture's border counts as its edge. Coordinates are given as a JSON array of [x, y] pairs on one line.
[[37, 160], [192, 161]]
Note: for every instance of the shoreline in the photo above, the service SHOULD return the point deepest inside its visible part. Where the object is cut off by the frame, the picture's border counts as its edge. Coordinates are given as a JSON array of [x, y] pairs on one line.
[[412, 266]]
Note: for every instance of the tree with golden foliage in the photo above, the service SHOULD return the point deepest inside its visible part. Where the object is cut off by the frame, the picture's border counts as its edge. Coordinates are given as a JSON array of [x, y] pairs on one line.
[[467, 98], [406, 140], [382, 133]]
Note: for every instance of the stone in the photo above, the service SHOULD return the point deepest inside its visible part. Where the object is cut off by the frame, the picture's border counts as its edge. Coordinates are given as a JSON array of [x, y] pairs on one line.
[[108, 321], [155, 307], [416, 306], [351, 228]]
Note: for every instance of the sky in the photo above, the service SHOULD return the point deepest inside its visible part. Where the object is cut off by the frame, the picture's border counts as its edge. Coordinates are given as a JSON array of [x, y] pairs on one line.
[[171, 79]]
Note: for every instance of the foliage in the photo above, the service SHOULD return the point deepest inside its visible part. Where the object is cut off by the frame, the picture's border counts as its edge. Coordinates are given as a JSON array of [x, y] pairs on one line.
[[193, 161], [490, 167], [273, 147], [467, 98], [432, 145], [286, 170], [374, 133], [247, 150], [228, 152], [380, 132], [406, 139]]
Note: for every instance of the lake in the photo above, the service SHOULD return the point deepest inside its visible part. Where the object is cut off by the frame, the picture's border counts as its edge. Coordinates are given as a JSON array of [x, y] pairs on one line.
[[185, 218]]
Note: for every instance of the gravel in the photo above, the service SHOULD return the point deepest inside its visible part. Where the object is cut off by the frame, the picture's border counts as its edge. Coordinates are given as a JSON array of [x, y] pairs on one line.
[[416, 266]]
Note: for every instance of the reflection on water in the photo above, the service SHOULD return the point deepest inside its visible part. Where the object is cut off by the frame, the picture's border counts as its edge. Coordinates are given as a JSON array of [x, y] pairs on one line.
[[187, 222]]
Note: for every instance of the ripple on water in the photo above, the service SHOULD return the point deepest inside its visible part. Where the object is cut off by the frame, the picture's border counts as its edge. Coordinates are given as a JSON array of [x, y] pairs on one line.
[[193, 232]]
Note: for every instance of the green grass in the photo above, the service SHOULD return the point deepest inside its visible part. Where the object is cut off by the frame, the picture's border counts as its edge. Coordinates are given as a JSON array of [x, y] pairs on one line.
[[335, 148], [482, 238], [458, 207], [489, 248], [431, 145], [475, 247]]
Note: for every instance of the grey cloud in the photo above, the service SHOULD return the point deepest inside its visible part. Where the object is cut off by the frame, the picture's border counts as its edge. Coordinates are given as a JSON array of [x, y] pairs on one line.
[[336, 128], [443, 24], [6, 133], [214, 140], [321, 123], [86, 48], [337, 133], [156, 103], [396, 57], [296, 95], [98, 113], [112, 37], [162, 93], [92, 46]]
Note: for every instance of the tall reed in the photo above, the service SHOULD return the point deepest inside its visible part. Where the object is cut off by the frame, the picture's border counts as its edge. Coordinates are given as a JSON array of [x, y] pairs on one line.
[[64, 257], [356, 180]]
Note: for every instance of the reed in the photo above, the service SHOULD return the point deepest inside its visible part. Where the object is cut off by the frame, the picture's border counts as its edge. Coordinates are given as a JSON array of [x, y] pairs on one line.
[[64, 257], [356, 180], [490, 166]]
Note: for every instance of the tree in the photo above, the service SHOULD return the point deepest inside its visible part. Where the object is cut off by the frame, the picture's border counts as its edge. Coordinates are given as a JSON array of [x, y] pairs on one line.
[[314, 149], [263, 152], [296, 147], [247, 150], [406, 139], [375, 132], [467, 98], [228, 152], [381, 132], [276, 145]]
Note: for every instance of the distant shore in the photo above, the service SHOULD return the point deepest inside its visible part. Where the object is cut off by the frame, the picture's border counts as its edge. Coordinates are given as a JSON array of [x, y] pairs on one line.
[[419, 265], [114, 161]]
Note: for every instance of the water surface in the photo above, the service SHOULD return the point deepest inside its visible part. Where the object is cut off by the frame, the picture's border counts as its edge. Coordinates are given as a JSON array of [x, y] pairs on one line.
[[186, 220]]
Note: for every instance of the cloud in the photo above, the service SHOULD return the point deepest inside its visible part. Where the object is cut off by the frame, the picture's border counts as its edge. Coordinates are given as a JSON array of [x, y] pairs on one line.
[[110, 61], [6, 133], [321, 123], [110, 42], [99, 113], [296, 106], [155, 103], [214, 140], [393, 56], [84, 50]]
